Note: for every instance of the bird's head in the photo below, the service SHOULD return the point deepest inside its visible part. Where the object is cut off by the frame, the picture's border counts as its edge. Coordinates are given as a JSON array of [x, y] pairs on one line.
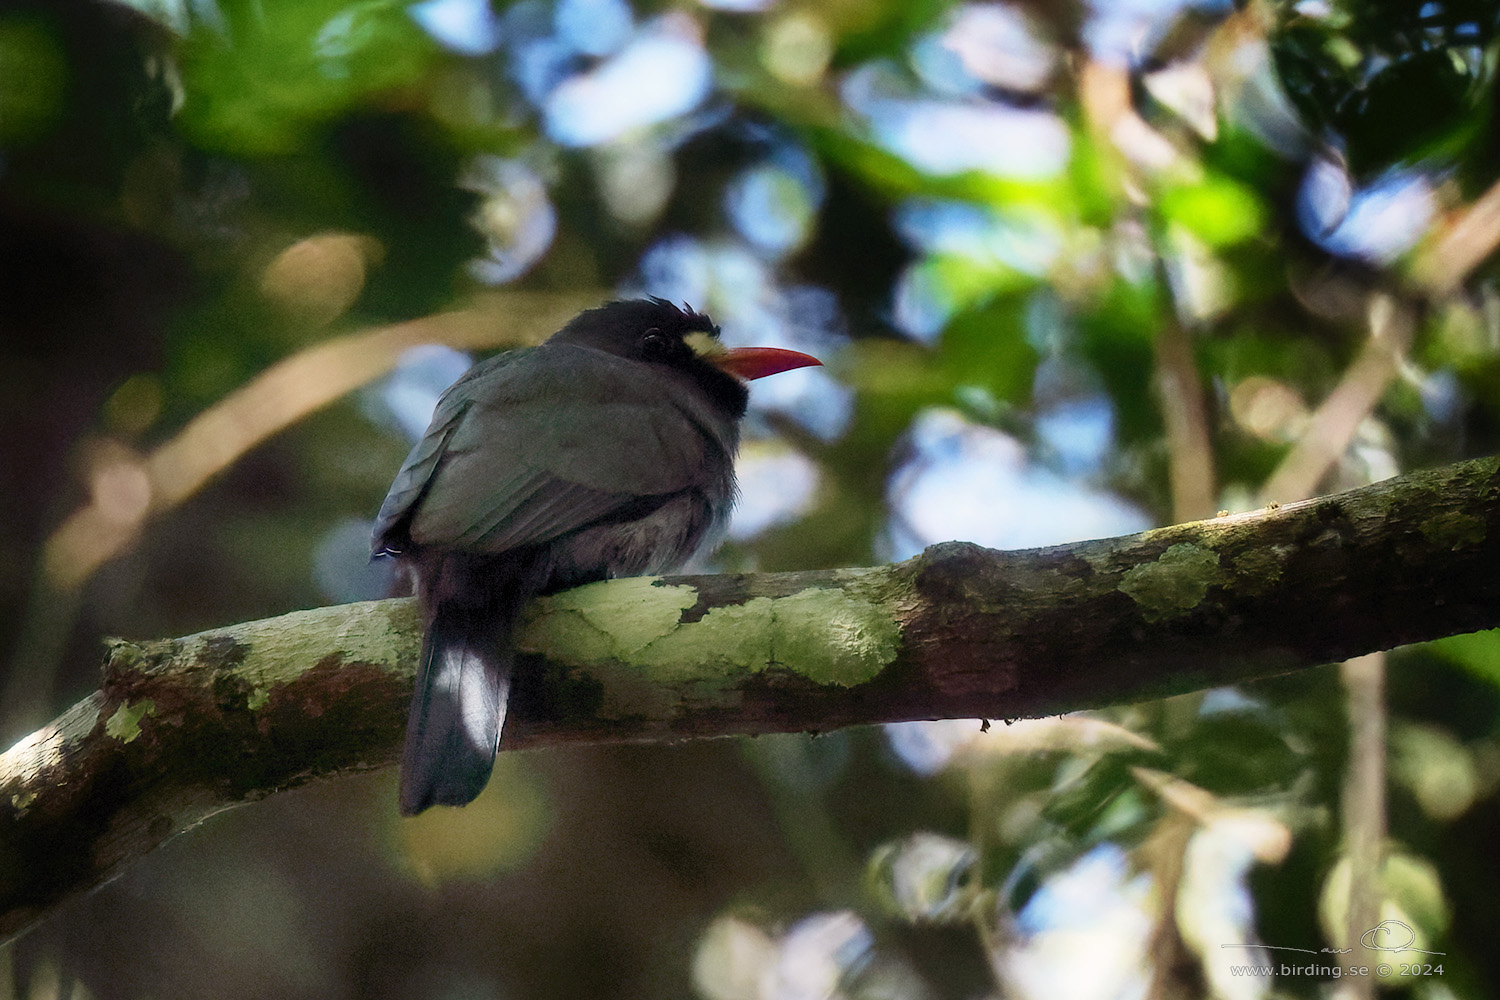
[[656, 331]]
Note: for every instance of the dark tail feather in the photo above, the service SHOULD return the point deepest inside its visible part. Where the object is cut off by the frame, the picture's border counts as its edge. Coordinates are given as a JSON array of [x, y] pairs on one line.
[[458, 709]]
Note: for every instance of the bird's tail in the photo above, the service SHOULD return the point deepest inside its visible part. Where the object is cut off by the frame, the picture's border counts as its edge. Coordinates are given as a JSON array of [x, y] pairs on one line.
[[458, 708]]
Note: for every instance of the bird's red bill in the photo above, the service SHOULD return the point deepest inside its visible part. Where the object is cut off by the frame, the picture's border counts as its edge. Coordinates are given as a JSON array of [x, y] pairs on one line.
[[758, 362]]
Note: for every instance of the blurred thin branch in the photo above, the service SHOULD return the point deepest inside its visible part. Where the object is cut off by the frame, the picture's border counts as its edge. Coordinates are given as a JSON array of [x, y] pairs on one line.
[[1184, 413], [185, 727], [1175, 972], [1439, 269], [1364, 819], [1333, 425], [1105, 94], [1462, 244], [279, 397]]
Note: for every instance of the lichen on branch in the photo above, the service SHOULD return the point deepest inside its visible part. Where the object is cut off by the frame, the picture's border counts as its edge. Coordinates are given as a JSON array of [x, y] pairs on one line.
[[181, 728]]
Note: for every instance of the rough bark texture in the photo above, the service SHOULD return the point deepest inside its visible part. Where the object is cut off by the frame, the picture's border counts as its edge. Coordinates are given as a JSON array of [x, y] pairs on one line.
[[184, 727]]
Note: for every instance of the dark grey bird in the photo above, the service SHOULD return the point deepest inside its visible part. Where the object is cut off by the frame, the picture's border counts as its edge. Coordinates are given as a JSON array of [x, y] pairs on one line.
[[606, 451]]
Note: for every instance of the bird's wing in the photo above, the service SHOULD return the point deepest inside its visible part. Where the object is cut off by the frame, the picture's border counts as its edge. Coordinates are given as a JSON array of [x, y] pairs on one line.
[[563, 438], [390, 534]]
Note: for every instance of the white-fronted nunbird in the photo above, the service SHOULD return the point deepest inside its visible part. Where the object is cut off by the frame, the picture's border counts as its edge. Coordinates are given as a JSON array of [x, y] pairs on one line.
[[606, 451]]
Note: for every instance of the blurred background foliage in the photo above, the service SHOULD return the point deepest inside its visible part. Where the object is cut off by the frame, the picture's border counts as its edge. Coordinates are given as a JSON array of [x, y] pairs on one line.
[[1075, 268]]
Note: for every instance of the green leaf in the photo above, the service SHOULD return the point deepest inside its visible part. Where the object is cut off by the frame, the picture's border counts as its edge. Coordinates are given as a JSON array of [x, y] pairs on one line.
[[1219, 211], [33, 79], [1478, 652], [256, 90]]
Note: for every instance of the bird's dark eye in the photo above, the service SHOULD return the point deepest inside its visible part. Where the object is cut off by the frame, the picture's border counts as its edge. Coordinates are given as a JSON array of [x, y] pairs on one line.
[[657, 346]]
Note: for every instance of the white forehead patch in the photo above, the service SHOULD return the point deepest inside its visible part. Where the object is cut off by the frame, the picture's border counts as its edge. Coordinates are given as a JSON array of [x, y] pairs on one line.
[[705, 345]]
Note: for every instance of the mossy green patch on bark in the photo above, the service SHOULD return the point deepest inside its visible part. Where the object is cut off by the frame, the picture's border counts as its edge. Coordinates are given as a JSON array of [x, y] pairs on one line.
[[1174, 582], [125, 724], [276, 651], [1454, 530], [122, 654], [603, 621], [833, 636], [630, 634], [1259, 570], [730, 641]]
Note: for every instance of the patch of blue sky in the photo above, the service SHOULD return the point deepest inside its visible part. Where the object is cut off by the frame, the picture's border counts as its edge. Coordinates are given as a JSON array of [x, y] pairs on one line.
[[982, 44], [468, 27], [1075, 419], [1049, 330], [663, 72], [941, 68], [928, 747], [1262, 108], [1442, 395], [540, 65], [941, 136], [732, 282], [1028, 241], [406, 397], [738, 6], [526, 22], [922, 303], [770, 209], [974, 483], [539, 60], [996, 44], [818, 954], [744, 287], [1077, 434], [1120, 31], [944, 138], [1085, 932], [776, 486], [342, 568], [813, 398], [773, 204], [1079, 895], [996, 239], [677, 267], [515, 215], [1377, 223], [593, 27], [1228, 701]]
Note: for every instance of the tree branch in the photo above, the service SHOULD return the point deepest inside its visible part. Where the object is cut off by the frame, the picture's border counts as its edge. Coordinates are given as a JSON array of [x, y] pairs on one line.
[[184, 727]]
